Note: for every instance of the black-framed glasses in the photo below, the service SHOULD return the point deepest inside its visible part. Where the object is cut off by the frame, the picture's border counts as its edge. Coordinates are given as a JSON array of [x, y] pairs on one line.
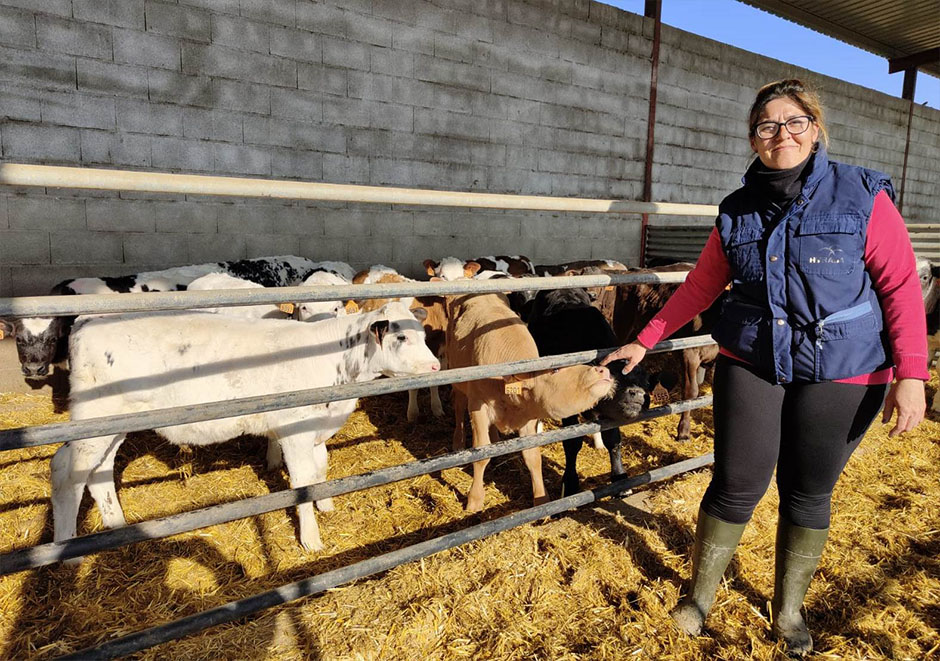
[[795, 126]]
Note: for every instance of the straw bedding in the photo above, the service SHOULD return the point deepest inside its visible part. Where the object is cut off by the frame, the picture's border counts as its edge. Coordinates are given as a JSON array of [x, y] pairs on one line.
[[595, 584]]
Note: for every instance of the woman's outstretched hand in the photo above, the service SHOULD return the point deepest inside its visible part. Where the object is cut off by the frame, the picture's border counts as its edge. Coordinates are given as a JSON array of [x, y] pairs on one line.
[[908, 398], [632, 353]]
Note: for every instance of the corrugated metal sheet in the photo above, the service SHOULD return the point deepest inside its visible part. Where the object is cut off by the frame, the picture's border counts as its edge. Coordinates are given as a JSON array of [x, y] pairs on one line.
[[889, 28]]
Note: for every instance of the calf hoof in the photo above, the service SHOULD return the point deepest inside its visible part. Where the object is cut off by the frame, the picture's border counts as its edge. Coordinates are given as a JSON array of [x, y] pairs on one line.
[[569, 487], [73, 562], [540, 500], [325, 505], [313, 545], [474, 502]]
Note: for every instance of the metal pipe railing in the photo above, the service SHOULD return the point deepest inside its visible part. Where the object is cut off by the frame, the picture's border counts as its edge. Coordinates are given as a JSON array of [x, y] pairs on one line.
[[320, 583], [35, 306], [46, 554], [18, 174], [23, 437]]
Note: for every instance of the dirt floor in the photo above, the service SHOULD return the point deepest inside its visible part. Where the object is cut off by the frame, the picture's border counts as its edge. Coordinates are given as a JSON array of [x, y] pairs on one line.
[[593, 584]]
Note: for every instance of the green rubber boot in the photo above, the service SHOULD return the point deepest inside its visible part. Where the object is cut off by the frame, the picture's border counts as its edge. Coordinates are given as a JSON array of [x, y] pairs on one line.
[[798, 553], [715, 542]]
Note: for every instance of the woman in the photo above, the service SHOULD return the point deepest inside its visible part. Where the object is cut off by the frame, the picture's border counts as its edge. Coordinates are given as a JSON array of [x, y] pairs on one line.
[[823, 314]]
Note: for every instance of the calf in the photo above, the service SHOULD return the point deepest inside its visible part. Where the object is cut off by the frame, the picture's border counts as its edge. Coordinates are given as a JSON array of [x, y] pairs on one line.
[[435, 323], [929, 275], [483, 330], [43, 341], [564, 321], [319, 310], [576, 267], [214, 281], [134, 362]]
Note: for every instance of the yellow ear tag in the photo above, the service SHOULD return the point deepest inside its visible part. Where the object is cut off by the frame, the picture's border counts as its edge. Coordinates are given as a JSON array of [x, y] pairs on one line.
[[659, 396], [352, 307], [610, 288], [2, 335], [513, 389], [286, 308]]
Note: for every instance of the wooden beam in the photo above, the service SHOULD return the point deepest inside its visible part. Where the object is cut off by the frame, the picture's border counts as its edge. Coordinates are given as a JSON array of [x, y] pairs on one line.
[[929, 56]]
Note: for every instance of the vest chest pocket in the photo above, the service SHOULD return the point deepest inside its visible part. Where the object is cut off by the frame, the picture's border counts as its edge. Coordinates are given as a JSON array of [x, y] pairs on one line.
[[830, 245], [744, 253]]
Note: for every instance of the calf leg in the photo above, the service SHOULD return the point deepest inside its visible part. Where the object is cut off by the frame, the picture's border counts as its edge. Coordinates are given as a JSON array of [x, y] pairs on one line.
[[480, 426], [691, 361], [570, 484], [101, 488], [533, 461], [71, 467], [459, 400], [436, 407], [412, 405], [274, 457], [612, 443], [306, 464]]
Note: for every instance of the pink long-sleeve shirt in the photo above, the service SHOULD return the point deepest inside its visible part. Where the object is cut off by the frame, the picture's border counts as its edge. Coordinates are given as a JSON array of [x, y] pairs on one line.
[[889, 259]]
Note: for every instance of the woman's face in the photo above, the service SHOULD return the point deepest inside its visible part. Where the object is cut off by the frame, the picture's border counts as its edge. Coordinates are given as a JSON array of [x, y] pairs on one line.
[[784, 150]]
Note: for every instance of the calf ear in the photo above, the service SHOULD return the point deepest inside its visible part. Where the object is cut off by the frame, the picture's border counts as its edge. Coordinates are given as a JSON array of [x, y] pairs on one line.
[[421, 314], [667, 378], [6, 329], [430, 265], [470, 269], [379, 329]]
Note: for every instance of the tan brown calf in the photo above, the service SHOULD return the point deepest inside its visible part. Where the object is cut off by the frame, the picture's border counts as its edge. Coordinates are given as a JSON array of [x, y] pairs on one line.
[[483, 331]]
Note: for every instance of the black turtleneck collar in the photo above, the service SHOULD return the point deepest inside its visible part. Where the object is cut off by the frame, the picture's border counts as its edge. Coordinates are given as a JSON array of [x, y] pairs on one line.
[[779, 186]]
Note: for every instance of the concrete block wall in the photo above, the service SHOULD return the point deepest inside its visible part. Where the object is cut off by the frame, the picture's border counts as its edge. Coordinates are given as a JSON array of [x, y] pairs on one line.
[[516, 96]]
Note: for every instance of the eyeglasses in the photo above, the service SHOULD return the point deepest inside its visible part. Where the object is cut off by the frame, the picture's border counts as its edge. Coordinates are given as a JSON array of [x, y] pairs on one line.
[[795, 126]]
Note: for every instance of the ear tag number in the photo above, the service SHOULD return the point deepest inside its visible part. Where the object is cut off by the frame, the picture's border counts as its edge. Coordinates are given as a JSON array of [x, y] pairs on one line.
[[659, 396], [513, 389], [286, 308]]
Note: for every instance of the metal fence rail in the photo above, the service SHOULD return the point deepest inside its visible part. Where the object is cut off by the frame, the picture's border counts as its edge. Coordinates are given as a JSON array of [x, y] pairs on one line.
[[46, 554]]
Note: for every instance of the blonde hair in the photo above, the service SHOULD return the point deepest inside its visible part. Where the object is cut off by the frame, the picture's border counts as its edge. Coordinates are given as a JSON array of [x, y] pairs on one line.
[[796, 91]]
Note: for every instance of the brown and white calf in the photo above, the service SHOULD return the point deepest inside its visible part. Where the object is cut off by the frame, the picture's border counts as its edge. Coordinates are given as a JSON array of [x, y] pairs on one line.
[[483, 330]]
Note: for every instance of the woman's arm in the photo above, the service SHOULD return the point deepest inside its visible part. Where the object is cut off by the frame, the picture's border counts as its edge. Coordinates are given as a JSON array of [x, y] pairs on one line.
[[889, 259], [702, 286]]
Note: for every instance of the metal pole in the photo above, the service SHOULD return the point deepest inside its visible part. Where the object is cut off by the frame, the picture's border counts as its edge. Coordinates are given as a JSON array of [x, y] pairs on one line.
[[316, 584], [24, 437], [16, 174], [34, 306], [49, 553]]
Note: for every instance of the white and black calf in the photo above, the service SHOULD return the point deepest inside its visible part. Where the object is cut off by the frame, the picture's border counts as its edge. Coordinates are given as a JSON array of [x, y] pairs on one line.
[[564, 321], [140, 362]]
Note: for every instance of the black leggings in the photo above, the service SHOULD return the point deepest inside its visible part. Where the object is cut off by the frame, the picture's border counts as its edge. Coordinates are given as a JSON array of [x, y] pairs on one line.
[[807, 430]]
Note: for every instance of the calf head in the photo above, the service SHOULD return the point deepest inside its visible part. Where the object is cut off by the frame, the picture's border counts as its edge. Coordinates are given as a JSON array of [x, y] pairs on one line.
[[399, 343], [631, 393], [569, 390], [40, 342], [451, 268]]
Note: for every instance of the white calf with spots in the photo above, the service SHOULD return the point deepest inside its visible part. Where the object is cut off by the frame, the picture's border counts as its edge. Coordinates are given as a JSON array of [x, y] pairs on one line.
[[131, 363]]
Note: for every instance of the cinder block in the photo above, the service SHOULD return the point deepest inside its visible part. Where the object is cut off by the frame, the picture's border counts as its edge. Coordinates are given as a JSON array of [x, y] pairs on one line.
[[341, 169], [153, 50], [170, 87], [104, 77], [261, 245], [122, 13], [186, 217], [47, 143], [296, 164], [392, 62], [281, 13], [19, 103], [26, 67], [73, 37], [297, 44], [322, 248], [347, 54], [153, 118], [156, 248], [4, 213], [321, 78], [17, 27], [252, 67], [241, 159], [216, 247], [323, 19], [241, 33], [413, 39], [86, 248], [186, 155], [301, 135], [57, 7], [177, 21], [451, 73], [120, 215], [248, 97], [296, 104], [272, 218], [362, 254], [26, 247], [211, 124], [77, 109], [349, 223], [372, 30], [402, 11], [346, 112], [6, 283]]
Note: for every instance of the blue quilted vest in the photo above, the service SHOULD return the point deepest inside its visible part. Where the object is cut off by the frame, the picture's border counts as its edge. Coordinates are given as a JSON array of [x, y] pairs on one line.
[[801, 306]]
